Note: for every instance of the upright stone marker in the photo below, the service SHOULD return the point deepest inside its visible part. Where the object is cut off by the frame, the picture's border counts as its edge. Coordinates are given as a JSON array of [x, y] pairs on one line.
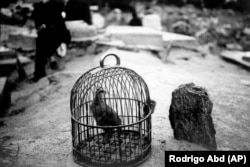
[[190, 116]]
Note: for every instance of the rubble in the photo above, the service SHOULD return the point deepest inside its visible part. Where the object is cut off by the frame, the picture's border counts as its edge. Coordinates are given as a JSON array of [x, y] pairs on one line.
[[245, 82], [246, 31], [246, 58], [81, 31], [239, 57], [234, 46], [6, 53], [8, 61], [11, 71], [226, 28], [25, 40], [180, 40], [9, 151], [15, 13], [181, 27], [136, 35]]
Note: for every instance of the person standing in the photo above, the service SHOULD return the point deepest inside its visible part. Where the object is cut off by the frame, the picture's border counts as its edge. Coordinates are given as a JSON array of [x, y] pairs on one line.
[[78, 10], [135, 21], [52, 33]]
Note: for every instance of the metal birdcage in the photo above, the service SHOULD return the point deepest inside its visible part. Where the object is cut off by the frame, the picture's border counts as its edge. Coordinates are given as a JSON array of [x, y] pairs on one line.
[[127, 143]]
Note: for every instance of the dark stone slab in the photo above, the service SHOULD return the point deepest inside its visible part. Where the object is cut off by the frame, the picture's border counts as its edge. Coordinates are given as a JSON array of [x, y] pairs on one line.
[[190, 116], [5, 96], [7, 54]]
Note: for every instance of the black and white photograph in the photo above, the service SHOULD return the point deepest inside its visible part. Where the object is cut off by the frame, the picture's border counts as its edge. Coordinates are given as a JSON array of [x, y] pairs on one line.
[[124, 83]]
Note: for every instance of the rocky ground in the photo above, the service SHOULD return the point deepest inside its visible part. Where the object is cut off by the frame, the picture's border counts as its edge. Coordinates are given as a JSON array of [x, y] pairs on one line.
[[38, 132]]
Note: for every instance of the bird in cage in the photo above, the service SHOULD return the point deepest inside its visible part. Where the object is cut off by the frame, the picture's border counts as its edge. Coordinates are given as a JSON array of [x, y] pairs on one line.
[[104, 114]]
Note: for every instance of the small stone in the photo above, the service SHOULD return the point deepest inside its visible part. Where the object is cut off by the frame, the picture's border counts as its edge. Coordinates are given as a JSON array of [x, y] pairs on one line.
[[246, 31], [163, 141], [190, 116], [234, 46], [5, 162], [181, 27], [246, 58], [2, 124]]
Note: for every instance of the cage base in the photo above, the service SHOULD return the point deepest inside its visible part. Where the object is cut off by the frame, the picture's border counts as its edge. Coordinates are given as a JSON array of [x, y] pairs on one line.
[[129, 149]]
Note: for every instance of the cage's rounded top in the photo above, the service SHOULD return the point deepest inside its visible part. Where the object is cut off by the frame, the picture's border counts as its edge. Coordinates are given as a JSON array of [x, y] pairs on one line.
[[125, 91], [118, 61]]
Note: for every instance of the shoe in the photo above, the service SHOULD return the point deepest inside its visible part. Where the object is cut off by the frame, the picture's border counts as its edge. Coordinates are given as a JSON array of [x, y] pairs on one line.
[[54, 65], [57, 64], [36, 78]]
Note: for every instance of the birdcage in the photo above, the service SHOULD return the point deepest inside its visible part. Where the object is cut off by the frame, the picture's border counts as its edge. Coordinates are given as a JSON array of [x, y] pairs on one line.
[[127, 143]]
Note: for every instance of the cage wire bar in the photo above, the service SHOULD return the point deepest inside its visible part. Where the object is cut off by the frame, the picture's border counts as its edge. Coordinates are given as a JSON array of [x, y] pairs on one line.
[[128, 95]]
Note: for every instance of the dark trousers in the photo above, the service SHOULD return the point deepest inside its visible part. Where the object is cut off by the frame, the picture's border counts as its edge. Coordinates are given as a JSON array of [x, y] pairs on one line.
[[45, 47]]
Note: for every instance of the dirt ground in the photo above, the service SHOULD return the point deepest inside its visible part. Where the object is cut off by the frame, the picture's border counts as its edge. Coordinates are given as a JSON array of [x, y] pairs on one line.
[[39, 134]]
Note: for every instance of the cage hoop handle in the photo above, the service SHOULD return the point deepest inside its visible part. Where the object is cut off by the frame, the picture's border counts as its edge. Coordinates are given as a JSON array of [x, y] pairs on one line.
[[118, 61]]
